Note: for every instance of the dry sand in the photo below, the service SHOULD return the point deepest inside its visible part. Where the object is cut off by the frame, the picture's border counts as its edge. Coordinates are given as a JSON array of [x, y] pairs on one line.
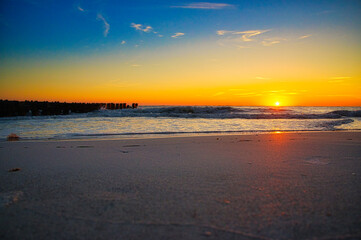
[[272, 186]]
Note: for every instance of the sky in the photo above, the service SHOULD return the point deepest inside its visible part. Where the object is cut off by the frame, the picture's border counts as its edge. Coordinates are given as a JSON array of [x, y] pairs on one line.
[[167, 52]]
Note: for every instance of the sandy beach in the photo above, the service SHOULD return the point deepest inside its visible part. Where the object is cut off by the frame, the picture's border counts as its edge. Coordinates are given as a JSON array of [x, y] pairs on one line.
[[269, 186]]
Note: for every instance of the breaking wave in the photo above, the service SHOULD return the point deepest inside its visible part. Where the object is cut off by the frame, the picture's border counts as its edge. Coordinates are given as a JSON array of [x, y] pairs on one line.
[[169, 120], [207, 112], [223, 113], [330, 125]]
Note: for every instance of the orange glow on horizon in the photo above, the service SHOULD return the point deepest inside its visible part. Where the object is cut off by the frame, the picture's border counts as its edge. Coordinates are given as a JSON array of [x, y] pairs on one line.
[[210, 75], [202, 97]]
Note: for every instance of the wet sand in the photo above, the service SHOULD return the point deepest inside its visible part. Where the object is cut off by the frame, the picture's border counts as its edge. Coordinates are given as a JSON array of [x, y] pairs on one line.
[[271, 186]]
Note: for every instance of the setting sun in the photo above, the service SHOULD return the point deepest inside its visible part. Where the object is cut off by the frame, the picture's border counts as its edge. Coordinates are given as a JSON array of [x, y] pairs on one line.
[[201, 53]]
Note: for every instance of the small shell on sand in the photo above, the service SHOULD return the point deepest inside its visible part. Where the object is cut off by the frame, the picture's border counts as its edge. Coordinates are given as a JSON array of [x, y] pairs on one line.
[[13, 137]]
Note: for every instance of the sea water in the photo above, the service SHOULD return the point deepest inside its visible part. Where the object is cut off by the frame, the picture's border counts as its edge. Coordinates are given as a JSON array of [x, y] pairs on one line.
[[150, 121]]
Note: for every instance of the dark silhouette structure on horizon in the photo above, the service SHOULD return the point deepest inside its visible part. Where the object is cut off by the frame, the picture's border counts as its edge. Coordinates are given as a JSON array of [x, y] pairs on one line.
[[35, 108]]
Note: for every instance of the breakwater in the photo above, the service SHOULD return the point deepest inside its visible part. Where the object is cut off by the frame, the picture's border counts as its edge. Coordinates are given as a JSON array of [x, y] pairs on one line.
[[36, 108]]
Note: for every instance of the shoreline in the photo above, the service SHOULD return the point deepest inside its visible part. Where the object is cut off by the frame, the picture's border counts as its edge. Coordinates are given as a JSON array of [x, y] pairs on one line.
[[266, 186], [115, 137]]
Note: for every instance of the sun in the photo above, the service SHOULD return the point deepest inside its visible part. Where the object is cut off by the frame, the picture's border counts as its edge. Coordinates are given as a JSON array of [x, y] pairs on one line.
[[277, 103]]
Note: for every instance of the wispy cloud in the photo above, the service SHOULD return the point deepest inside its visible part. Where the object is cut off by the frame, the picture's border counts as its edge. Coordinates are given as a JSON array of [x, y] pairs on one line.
[[249, 38], [263, 78], [271, 41], [80, 9], [106, 24], [245, 35], [268, 43], [142, 28], [305, 36], [274, 91], [178, 34], [223, 32], [205, 5]]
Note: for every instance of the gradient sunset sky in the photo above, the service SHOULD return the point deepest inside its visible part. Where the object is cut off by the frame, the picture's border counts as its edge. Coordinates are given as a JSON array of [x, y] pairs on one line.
[[156, 52]]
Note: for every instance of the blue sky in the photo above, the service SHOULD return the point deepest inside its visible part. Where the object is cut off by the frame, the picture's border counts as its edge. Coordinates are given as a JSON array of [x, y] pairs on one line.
[[38, 26]]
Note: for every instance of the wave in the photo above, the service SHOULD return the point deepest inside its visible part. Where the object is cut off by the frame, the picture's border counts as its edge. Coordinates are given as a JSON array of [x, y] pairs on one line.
[[85, 135], [224, 113], [210, 113], [325, 126], [330, 125], [346, 113]]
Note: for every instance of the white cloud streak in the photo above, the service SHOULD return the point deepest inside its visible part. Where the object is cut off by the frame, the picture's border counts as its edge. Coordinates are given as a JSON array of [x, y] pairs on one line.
[[178, 34], [248, 39], [268, 43], [305, 36], [223, 32], [271, 41], [205, 5], [246, 35], [106, 24], [142, 28]]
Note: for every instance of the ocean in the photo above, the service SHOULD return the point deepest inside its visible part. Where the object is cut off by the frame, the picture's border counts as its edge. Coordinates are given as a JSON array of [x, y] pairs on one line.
[[160, 121]]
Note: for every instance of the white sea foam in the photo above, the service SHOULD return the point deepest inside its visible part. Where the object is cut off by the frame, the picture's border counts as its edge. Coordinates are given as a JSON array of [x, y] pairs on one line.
[[164, 120]]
